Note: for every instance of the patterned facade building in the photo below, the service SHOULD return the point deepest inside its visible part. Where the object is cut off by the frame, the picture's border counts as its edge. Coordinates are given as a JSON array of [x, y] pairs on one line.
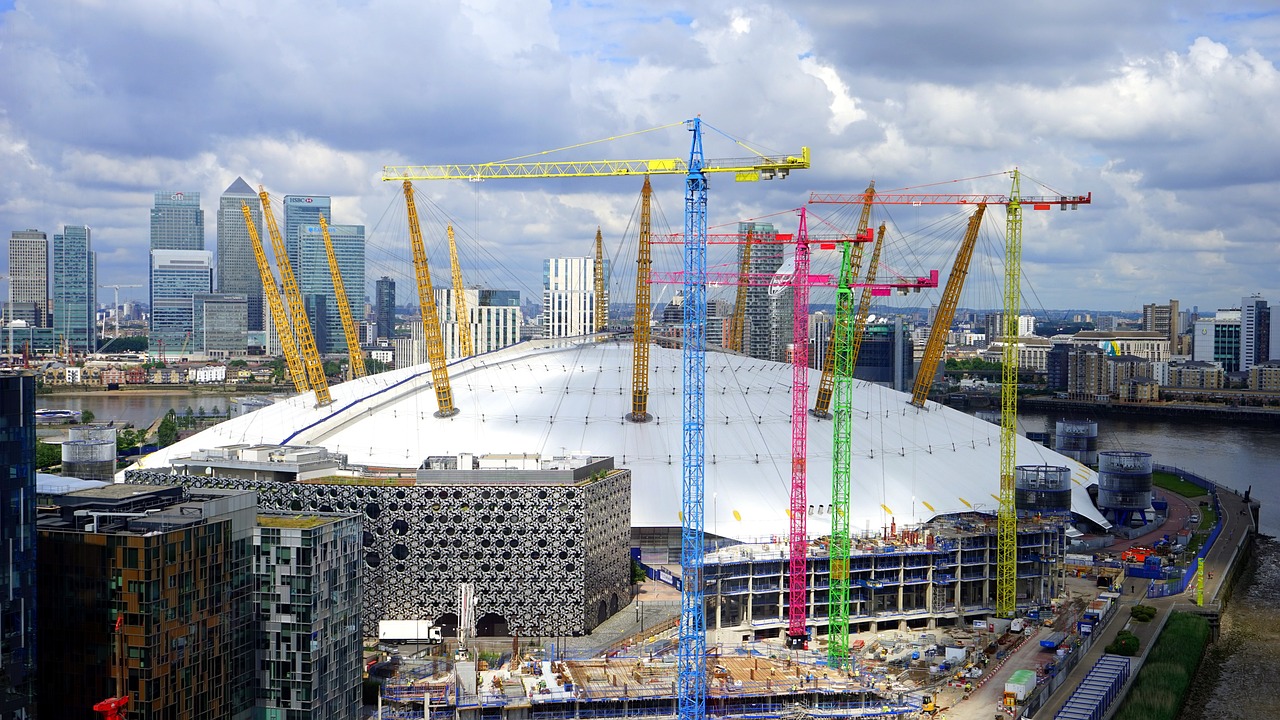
[[29, 277], [307, 599], [547, 550]]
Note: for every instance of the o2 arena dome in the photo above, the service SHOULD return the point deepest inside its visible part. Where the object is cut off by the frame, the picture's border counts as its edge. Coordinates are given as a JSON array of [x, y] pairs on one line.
[[565, 397]]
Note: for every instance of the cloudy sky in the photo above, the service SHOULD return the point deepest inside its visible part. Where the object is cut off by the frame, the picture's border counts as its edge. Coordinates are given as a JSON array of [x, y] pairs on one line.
[[1166, 112]]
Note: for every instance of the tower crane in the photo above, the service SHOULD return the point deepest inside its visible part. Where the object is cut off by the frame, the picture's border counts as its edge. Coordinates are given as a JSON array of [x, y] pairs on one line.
[[293, 361], [691, 674], [460, 312], [601, 307], [297, 311], [113, 708], [354, 354], [1006, 517], [738, 325]]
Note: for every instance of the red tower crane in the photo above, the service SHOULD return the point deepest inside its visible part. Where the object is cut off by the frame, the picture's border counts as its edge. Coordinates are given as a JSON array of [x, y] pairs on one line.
[[113, 707]]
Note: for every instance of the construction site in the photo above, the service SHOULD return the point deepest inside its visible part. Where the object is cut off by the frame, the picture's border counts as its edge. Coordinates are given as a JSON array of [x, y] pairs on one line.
[[835, 545]]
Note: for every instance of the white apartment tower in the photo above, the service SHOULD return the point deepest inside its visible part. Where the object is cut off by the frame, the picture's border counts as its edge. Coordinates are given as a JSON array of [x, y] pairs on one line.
[[569, 296]]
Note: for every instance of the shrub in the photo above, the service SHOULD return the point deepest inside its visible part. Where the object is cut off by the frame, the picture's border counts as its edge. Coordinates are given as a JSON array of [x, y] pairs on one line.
[[1142, 613], [1126, 643]]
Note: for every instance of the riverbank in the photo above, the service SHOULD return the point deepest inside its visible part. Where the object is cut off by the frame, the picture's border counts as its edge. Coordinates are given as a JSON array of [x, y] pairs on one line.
[[142, 390], [1253, 416]]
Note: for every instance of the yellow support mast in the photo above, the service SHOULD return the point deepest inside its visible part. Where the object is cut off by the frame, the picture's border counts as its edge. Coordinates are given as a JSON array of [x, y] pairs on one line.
[[602, 310], [430, 315], [1007, 516], [293, 361], [640, 343], [297, 311], [461, 315], [355, 355], [864, 302], [946, 311], [738, 325], [822, 404]]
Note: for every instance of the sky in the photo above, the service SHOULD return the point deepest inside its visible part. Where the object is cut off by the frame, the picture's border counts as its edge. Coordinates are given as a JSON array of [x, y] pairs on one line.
[[1165, 112]]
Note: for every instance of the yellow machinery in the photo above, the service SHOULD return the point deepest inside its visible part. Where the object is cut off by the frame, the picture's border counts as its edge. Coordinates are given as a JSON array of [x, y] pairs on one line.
[[946, 310], [749, 169], [601, 307], [640, 343], [460, 313], [822, 404], [430, 315], [864, 302], [354, 353], [297, 311], [293, 361], [738, 325]]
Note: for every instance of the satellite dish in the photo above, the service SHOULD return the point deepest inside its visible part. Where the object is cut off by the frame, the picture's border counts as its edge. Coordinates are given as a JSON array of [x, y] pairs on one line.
[[871, 317]]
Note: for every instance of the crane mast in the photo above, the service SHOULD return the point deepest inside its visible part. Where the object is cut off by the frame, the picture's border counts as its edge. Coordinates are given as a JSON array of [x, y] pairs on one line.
[[1007, 516], [640, 341], [297, 311], [602, 310], [692, 662], [430, 315], [354, 355], [738, 326], [293, 361], [850, 266], [797, 634], [461, 315], [946, 310]]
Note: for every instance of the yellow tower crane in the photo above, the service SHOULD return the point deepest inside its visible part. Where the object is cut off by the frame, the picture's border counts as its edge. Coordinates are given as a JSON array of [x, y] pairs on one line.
[[460, 313], [602, 308], [430, 314], [355, 355], [640, 342], [293, 361], [822, 404], [864, 302], [738, 325], [946, 310], [297, 311]]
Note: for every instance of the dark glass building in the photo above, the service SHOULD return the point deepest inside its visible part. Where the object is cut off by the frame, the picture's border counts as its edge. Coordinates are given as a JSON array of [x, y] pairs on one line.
[[18, 536], [385, 312]]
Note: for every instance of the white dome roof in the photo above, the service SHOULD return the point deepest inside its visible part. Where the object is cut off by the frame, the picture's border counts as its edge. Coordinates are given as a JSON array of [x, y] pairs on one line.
[[558, 398]]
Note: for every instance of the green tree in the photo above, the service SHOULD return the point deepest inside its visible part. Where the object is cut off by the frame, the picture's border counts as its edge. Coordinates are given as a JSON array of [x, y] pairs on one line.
[[277, 366], [188, 418], [167, 433], [332, 368], [237, 363], [127, 438], [48, 455], [373, 367]]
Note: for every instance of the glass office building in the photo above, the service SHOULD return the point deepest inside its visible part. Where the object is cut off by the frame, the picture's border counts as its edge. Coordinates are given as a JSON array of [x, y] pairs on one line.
[[75, 300], [316, 283], [18, 536]]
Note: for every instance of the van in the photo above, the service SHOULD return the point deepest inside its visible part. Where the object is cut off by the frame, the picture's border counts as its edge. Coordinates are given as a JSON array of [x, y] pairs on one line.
[[1195, 519]]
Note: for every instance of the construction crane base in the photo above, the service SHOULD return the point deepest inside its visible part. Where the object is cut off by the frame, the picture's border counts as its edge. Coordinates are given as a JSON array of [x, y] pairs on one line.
[[445, 413], [638, 417], [820, 414]]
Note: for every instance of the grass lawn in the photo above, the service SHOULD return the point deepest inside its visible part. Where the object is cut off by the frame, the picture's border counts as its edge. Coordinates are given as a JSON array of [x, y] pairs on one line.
[[1173, 483], [1161, 685]]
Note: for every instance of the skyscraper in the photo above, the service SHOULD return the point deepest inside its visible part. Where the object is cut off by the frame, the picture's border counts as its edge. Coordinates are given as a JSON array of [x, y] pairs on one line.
[[495, 319], [177, 222], [1255, 331], [302, 210], [18, 536], [218, 323], [237, 268], [768, 315], [176, 276], [75, 278], [385, 306], [568, 296], [316, 283], [29, 276]]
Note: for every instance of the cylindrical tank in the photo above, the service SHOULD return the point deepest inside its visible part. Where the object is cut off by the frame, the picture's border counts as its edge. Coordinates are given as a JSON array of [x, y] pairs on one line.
[[1124, 483], [1078, 440], [89, 459], [92, 432], [1042, 489]]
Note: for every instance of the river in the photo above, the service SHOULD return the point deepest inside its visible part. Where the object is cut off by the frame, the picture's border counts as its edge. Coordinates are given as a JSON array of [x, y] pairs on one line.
[[139, 408], [1240, 671]]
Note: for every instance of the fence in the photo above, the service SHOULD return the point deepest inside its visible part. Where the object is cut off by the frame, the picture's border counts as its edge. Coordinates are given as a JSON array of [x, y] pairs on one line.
[[1178, 586]]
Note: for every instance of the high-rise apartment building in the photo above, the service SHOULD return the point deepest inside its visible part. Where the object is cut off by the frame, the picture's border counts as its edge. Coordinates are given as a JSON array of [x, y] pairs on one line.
[[1217, 339], [1164, 319], [177, 221], [176, 277], [18, 537], [569, 296], [1255, 331], [495, 319], [315, 282], [385, 307], [767, 328], [300, 210], [308, 598], [167, 573], [29, 277], [75, 299], [237, 267]]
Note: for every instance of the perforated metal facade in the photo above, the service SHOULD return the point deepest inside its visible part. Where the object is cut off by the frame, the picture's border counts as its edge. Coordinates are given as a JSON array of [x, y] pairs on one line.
[[546, 556]]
